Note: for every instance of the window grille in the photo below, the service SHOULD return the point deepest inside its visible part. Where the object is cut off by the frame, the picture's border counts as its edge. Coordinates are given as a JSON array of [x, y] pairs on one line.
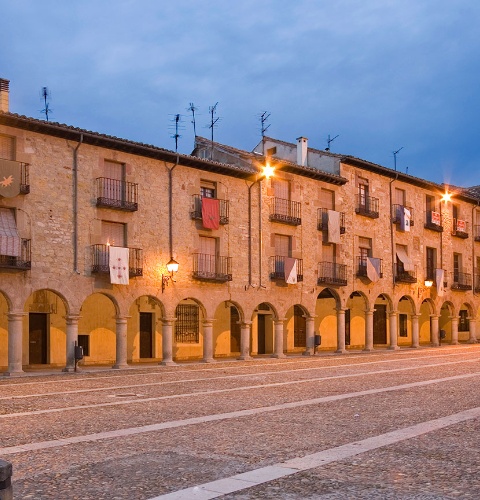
[[187, 324]]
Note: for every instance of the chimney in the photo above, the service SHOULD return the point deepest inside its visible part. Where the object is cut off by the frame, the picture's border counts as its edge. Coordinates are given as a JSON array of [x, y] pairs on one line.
[[302, 148], [4, 94]]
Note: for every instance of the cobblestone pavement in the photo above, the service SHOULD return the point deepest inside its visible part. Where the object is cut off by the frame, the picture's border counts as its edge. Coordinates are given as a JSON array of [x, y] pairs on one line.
[[388, 424]]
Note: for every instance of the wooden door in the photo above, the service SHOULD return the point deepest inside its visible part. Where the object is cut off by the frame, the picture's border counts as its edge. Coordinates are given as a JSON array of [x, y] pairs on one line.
[[261, 333], [234, 330], [146, 335], [347, 327], [299, 327], [380, 324], [37, 338]]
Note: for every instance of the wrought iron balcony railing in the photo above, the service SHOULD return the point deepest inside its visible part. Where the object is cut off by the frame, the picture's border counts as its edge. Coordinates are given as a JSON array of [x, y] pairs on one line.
[[433, 221], [277, 268], [196, 210], [101, 260], [397, 211], [322, 220], [119, 195], [402, 276], [460, 228], [286, 211], [330, 273], [362, 267], [461, 281], [367, 206], [21, 263], [212, 267]]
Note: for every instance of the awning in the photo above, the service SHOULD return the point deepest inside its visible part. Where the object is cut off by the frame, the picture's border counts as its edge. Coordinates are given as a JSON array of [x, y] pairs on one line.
[[407, 261], [9, 237]]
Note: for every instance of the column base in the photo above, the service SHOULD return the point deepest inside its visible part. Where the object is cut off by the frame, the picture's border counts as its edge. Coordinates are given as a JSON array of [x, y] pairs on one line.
[[70, 369], [278, 356], [414, 346], [393, 348], [368, 349], [244, 358], [168, 362], [435, 345], [209, 360], [119, 366], [341, 351], [13, 373], [307, 353], [454, 343], [472, 341]]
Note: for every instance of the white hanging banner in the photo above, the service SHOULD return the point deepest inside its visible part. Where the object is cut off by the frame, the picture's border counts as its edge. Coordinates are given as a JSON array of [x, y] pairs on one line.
[[118, 262], [439, 281], [290, 270]]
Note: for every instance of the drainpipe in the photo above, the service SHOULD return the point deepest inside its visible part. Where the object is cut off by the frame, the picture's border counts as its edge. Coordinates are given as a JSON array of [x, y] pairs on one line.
[[75, 205], [391, 230], [170, 209], [473, 245], [260, 233]]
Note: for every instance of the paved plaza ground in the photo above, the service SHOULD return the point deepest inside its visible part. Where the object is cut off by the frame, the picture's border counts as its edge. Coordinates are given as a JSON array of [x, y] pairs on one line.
[[387, 424]]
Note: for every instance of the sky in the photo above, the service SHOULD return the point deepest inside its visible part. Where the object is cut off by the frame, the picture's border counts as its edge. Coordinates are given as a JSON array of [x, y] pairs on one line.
[[377, 75]]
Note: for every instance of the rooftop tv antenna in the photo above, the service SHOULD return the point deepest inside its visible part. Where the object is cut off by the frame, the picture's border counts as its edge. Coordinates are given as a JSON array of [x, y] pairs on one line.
[[263, 119], [45, 94], [192, 110], [212, 110], [395, 157], [329, 141], [177, 120]]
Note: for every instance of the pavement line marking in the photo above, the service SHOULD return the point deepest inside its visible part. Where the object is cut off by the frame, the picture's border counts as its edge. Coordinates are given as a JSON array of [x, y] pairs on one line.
[[28, 447], [232, 389], [180, 369], [255, 477], [204, 379]]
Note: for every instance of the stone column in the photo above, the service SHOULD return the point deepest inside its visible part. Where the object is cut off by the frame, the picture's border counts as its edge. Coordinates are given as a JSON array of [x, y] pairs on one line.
[[369, 330], [454, 320], [208, 341], [72, 337], [121, 342], [278, 339], [245, 329], [15, 335], [340, 331], [393, 330], [167, 342], [434, 330], [309, 335], [473, 331], [415, 331]]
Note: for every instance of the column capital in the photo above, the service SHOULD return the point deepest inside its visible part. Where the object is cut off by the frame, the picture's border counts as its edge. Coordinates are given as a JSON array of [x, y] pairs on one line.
[[392, 313], [16, 314], [278, 321], [415, 316], [246, 324], [369, 311], [434, 316], [341, 310], [122, 318], [208, 321], [72, 318]]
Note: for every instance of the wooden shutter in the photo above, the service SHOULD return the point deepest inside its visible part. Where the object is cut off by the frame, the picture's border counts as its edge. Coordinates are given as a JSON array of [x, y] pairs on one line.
[[282, 245], [7, 147], [400, 196], [113, 233], [327, 199]]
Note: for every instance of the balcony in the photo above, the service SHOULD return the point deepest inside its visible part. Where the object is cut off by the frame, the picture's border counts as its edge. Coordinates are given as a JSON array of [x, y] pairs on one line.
[[322, 220], [460, 228], [277, 268], [196, 211], [397, 211], [367, 206], [286, 212], [101, 258], [476, 285], [119, 195], [362, 267], [476, 232], [461, 281], [330, 273], [402, 276], [21, 263], [212, 268], [433, 221]]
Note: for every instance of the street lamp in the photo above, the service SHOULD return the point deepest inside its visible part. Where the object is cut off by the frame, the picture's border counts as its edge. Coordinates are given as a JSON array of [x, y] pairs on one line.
[[172, 267]]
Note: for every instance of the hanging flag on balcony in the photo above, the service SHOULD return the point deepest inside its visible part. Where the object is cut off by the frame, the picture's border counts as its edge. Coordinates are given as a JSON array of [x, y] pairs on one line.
[[436, 219], [10, 178], [405, 217], [461, 226], [118, 263], [211, 213], [9, 238], [333, 225], [373, 269], [290, 270], [439, 281]]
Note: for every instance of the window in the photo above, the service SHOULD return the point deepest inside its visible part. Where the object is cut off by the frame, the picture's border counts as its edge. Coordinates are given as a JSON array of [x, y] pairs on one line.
[[207, 255], [363, 194], [365, 248], [7, 147], [208, 189], [431, 263], [463, 321], [84, 341], [271, 151], [113, 234], [283, 248], [282, 196], [187, 324], [327, 199], [400, 196], [402, 325], [113, 185], [457, 266]]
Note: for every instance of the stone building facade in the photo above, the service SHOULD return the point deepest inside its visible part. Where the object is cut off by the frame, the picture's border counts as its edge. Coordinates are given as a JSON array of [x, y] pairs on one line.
[[329, 248]]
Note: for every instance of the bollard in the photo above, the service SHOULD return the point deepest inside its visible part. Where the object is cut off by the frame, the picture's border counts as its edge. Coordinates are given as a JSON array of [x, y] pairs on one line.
[[6, 489]]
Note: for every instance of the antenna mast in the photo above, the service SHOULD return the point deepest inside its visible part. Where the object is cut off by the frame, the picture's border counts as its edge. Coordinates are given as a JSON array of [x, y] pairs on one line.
[[45, 94], [192, 109], [212, 110], [395, 157], [263, 119], [329, 141], [177, 121]]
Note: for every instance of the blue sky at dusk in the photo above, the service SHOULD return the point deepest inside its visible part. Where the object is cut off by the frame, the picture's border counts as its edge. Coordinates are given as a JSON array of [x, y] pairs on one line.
[[380, 74]]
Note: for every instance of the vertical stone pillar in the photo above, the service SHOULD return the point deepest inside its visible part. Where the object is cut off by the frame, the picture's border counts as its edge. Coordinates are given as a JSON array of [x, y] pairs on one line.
[[434, 330], [415, 331], [121, 342], [208, 341], [167, 342], [72, 337], [369, 330], [6, 488], [309, 335], [245, 329], [473, 331], [454, 320], [15, 335], [278, 338], [340, 331], [393, 330]]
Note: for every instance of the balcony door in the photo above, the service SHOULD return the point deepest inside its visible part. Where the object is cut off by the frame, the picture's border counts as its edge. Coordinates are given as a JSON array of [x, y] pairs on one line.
[[283, 248], [282, 196], [114, 183], [207, 257]]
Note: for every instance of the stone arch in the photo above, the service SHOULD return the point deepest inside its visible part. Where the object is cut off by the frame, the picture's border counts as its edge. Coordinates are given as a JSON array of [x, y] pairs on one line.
[[229, 316], [426, 310], [406, 310], [5, 308], [188, 339], [295, 328], [445, 324], [357, 305], [382, 306], [466, 313], [326, 308], [262, 334]]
